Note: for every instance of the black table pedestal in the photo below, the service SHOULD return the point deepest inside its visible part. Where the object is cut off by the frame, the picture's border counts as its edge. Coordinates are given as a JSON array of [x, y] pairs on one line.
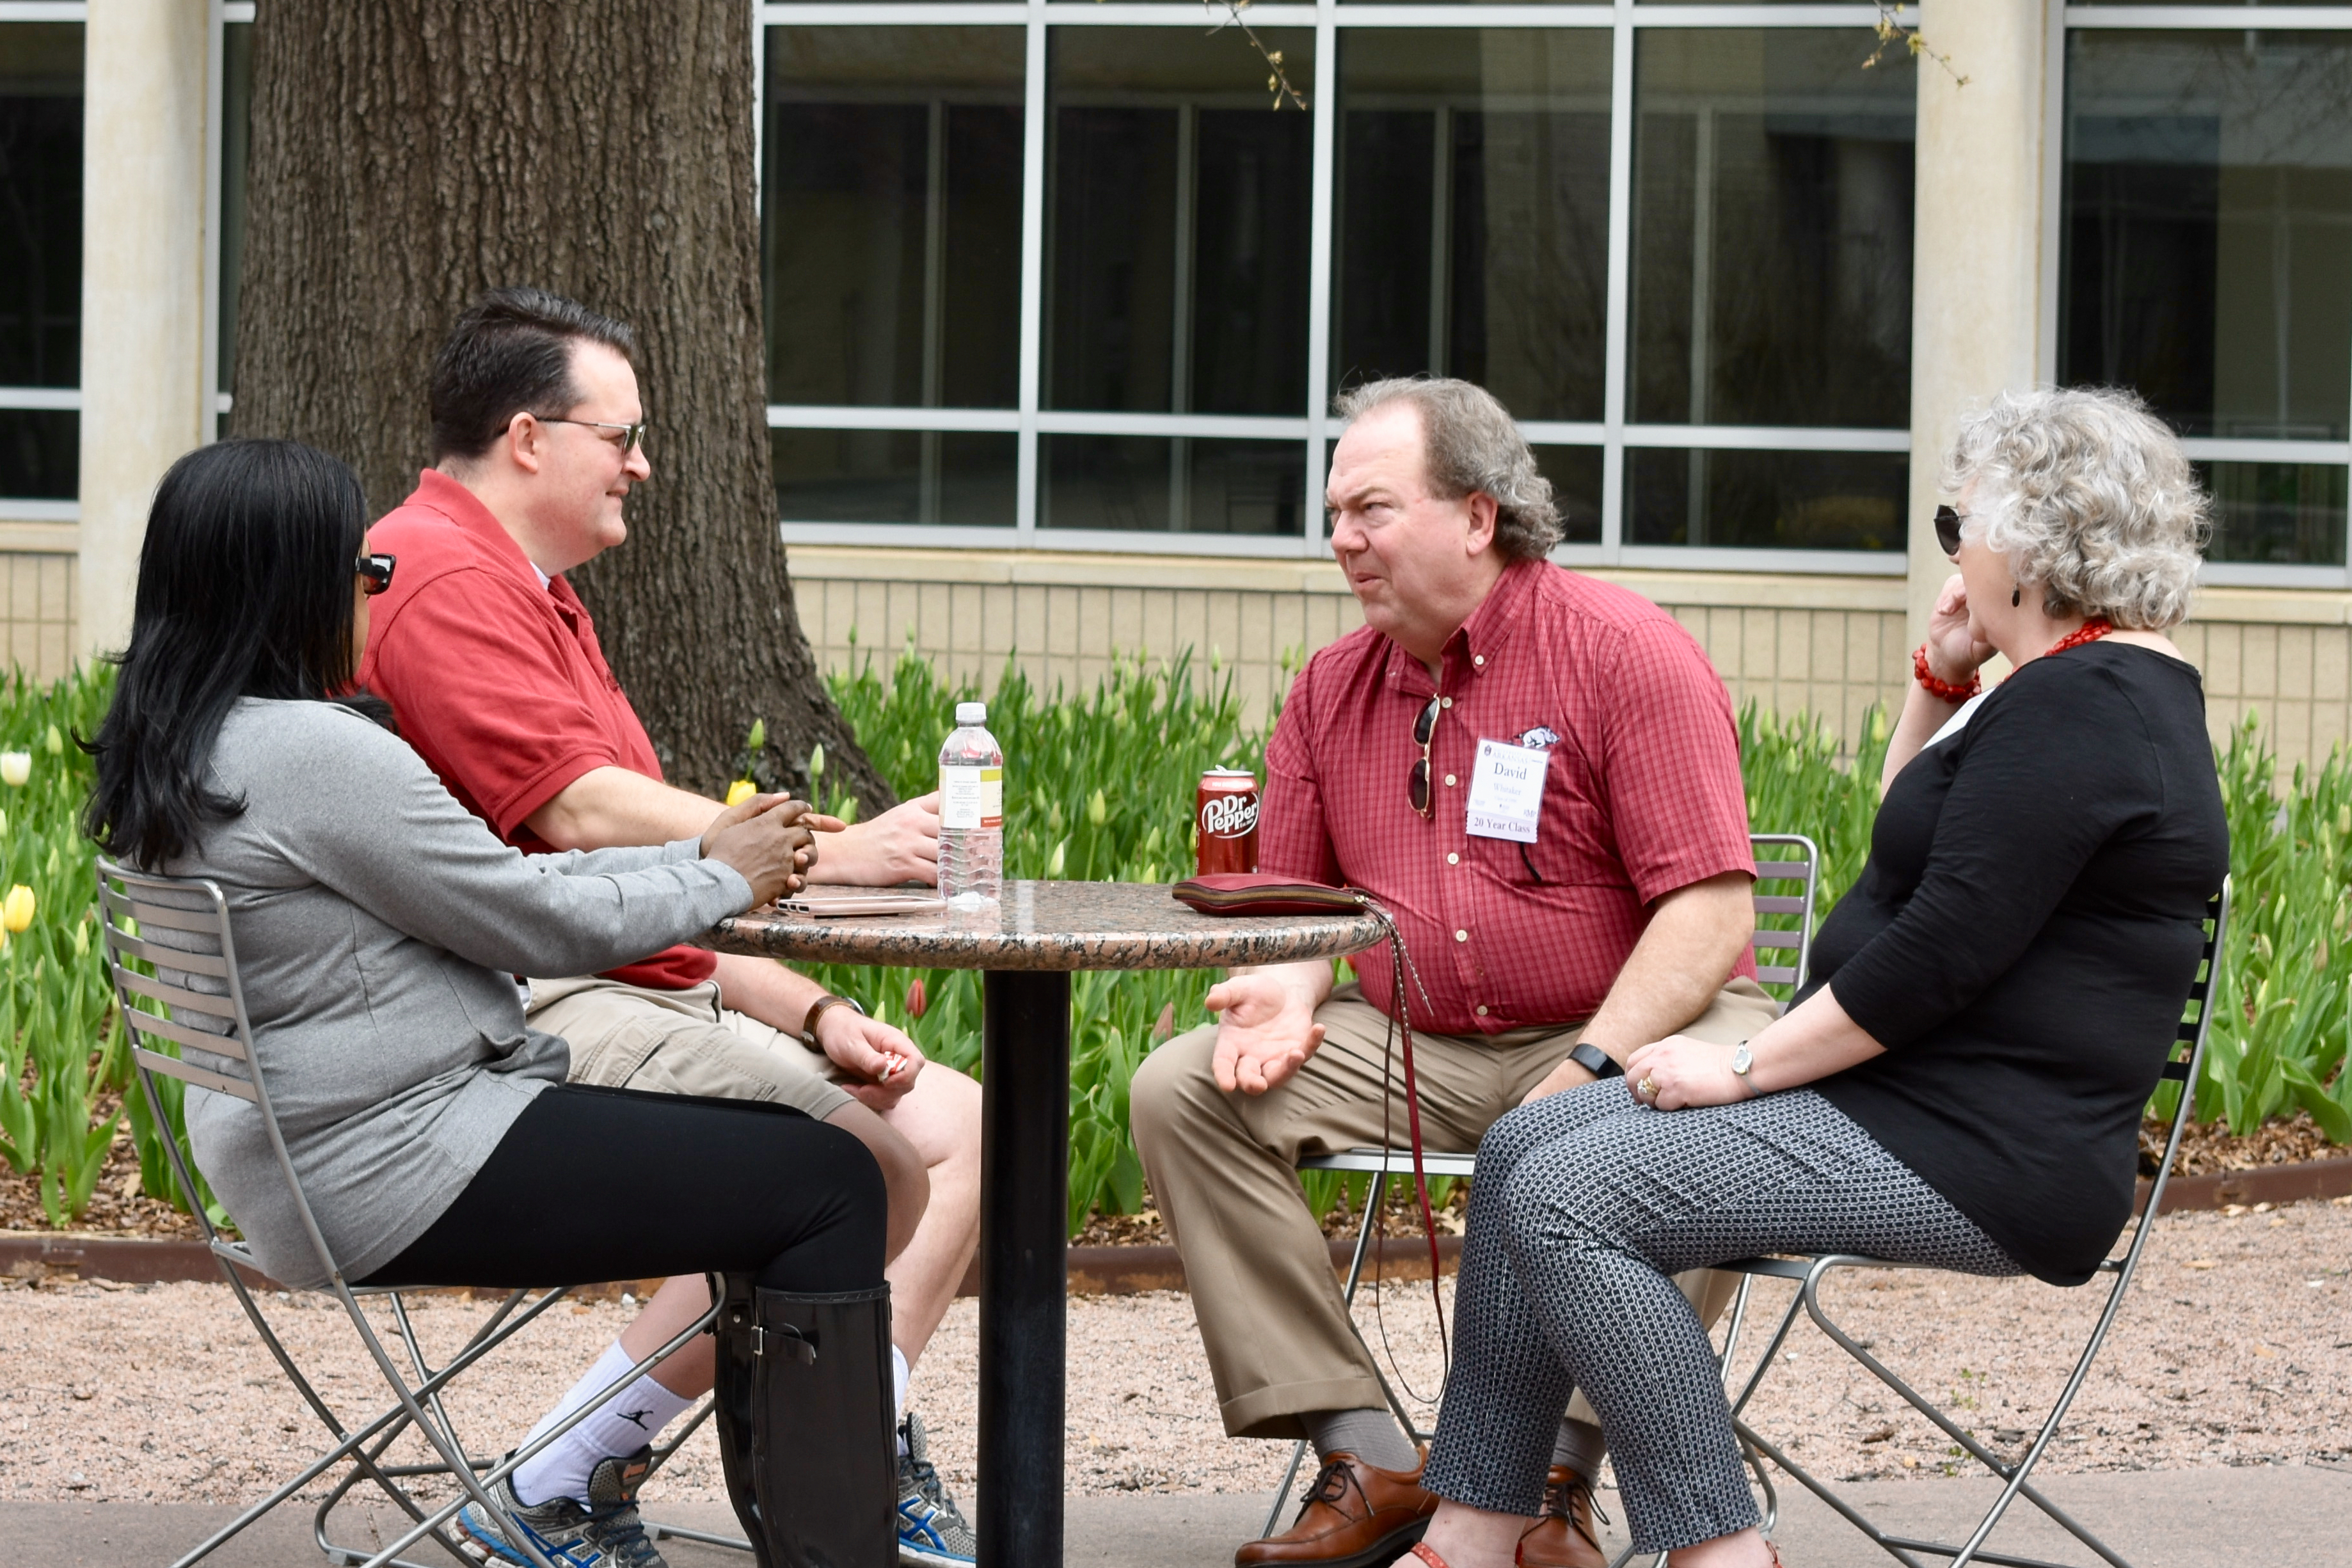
[[1023, 1278]]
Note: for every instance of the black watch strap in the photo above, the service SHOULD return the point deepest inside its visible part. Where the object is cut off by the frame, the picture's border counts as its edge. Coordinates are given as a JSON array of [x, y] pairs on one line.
[[1595, 1060]]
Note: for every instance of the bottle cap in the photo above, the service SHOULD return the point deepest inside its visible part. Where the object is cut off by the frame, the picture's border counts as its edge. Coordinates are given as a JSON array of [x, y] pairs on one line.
[[972, 713]]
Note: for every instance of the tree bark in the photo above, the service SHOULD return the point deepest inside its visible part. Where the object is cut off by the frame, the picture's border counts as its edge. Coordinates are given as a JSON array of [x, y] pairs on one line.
[[408, 154]]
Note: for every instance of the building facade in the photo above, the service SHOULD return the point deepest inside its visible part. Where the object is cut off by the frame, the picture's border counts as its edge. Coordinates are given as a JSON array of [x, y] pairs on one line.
[[1057, 299]]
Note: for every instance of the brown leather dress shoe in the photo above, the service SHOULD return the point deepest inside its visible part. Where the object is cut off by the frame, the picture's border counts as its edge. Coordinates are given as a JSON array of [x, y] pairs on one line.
[[1357, 1516], [1564, 1536]]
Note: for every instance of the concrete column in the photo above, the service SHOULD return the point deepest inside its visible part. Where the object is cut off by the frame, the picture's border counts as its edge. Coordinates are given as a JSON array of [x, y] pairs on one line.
[[1976, 290], [142, 292]]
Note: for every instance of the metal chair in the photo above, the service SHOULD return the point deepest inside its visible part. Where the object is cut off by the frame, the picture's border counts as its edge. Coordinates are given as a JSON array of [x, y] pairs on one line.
[[1785, 926], [1809, 1272], [174, 961]]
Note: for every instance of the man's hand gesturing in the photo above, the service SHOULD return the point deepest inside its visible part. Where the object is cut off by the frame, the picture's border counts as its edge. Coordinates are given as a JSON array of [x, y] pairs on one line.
[[1266, 1030]]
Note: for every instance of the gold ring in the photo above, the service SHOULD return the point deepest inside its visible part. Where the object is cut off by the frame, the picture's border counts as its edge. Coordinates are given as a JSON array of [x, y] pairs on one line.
[[1647, 1089]]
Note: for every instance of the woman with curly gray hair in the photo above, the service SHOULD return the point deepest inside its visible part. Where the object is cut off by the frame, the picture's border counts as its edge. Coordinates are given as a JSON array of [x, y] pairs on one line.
[[1961, 1083]]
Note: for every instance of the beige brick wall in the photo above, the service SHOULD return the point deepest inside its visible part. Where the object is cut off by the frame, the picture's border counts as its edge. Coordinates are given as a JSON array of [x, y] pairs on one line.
[[1065, 633], [38, 595], [2293, 675], [1829, 646]]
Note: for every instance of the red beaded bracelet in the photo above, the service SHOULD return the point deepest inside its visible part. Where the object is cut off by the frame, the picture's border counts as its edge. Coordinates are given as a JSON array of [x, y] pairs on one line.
[[1944, 690]]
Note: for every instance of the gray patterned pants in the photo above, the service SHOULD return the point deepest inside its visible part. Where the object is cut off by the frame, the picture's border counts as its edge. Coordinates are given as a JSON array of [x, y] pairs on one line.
[[1584, 1205]]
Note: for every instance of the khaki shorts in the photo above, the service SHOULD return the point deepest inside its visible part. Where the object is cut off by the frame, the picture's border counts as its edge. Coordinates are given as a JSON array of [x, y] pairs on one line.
[[681, 1043]]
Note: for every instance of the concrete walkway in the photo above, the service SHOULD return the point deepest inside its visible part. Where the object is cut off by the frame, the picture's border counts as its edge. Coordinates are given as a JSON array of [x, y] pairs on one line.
[[2188, 1519]]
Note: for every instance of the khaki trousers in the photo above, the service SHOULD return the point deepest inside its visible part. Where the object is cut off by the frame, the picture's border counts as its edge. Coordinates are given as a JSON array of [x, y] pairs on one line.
[[1223, 1170], [681, 1043]]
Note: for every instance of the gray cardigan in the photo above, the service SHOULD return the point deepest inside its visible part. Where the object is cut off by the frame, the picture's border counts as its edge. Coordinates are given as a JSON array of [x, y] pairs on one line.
[[379, 926]]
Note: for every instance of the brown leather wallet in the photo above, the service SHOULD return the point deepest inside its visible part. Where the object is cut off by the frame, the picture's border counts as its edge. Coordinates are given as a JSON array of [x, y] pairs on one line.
[[1264, 892]]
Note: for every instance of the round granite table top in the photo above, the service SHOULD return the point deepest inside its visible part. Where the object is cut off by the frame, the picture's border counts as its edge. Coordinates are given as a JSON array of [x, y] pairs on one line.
[[1050, 925]]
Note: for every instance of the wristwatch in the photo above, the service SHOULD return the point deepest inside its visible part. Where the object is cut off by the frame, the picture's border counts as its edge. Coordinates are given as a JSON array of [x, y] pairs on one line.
[[1742, 1058], [1595, 1060], [816, 1011]]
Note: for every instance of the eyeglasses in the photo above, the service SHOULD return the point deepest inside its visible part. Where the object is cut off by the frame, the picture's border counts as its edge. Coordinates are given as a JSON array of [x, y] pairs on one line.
[[632, 436], [376, 571], [1947, 530], [1417, 786]]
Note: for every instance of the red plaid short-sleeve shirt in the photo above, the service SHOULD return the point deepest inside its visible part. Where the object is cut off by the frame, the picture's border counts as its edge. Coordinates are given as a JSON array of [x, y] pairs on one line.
[[1642, 795]]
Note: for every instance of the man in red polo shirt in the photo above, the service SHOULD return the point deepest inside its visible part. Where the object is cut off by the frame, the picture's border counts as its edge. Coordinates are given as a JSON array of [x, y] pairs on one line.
[[492, 666], [1538, 774]]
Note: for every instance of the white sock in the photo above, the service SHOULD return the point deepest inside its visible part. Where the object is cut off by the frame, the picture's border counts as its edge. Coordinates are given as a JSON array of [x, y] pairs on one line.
[[898, 1375], [621, 1425]]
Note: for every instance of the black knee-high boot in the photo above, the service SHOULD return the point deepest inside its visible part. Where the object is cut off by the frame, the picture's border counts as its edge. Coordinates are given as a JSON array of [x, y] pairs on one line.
[[806, 1416]]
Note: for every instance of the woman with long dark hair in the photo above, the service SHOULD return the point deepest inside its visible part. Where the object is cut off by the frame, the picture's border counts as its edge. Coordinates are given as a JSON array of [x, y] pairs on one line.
[[379, 929]]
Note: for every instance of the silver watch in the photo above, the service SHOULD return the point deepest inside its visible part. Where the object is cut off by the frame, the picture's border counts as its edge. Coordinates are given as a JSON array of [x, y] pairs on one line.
[[1742, 1058]]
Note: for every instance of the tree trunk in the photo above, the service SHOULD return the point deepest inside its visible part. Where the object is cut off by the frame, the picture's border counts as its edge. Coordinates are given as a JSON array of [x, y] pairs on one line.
[[408, 154]]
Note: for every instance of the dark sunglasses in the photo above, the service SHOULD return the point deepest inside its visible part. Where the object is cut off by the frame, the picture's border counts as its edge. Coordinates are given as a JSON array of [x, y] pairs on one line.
[[1417, 786], [1947, 530], [376, 571]]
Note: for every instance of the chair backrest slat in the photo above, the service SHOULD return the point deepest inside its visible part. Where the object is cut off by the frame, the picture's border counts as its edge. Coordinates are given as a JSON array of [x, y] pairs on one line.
[[188, 1072], [1773, 865], [218, 1006], [145, 1022], [199, 921], [172, 957]]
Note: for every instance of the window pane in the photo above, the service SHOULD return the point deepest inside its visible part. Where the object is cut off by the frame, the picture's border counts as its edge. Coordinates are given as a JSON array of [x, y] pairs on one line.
[[40, 209], [1772, 184], [1575, 476], [1767, 500], [1177, 265], [1138, 483], [1474, 216], [891, 216], [40, 453], [895, 476], [2287, 514], [2209, 226]]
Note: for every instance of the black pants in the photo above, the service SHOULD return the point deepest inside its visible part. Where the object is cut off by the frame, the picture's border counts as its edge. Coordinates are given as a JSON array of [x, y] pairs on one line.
[[593, 1184]]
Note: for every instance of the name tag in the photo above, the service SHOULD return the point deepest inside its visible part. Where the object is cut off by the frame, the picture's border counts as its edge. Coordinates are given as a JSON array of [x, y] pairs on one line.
[[1506, 785]]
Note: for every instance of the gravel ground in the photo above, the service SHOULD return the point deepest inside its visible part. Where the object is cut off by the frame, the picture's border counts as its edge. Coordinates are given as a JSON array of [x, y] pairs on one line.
[[2236, 1349]]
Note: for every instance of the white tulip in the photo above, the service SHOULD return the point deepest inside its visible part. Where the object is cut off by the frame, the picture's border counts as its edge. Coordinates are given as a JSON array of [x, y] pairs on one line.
[[16, 766]]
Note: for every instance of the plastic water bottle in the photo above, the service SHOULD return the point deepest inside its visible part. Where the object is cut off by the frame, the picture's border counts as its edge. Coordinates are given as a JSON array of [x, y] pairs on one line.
[[972, 812]]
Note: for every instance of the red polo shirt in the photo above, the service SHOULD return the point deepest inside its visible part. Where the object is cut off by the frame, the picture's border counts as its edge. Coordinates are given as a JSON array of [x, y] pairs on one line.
[[1641, 795], [498, 682]]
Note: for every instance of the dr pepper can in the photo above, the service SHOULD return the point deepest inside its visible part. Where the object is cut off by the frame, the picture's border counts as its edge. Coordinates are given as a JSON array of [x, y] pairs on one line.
[[1226, 811]]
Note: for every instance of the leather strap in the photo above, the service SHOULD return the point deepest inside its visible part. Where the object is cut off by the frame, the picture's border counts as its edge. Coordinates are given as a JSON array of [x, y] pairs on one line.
[[816, 1011], [1595, 1060]]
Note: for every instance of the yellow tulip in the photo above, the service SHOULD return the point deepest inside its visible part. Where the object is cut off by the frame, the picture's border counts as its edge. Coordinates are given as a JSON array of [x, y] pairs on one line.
[[16, 912], [740, 791], [15, 767]]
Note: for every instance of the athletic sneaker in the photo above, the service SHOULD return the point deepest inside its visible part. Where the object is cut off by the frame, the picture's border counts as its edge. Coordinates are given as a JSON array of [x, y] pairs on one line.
[[931, 1530], [607, 1533]]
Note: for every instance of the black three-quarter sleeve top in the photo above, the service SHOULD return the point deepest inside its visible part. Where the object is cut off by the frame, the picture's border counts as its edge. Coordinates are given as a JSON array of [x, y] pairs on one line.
[[2022, 942]]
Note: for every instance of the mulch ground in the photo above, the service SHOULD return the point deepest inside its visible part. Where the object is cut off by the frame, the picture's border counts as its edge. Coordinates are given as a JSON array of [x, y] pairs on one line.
[[118, 1207]]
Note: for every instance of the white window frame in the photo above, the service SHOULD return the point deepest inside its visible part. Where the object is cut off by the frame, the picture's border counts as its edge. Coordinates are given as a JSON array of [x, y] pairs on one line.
[[26, 509], [2254, 18], [1613, 434]]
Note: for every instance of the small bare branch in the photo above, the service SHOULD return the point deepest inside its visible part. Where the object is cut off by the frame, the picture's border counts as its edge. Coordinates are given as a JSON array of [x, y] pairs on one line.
[[1277, 81], [1891, 31]]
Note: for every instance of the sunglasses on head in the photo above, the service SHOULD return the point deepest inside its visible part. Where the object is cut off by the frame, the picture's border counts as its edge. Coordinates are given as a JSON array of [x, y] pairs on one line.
[[1417, 785], [376, 570], [1947, 530]]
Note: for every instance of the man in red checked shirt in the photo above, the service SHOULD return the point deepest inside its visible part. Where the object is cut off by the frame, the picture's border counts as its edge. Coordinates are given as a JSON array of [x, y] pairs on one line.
[[1538, 774], [492, 666]]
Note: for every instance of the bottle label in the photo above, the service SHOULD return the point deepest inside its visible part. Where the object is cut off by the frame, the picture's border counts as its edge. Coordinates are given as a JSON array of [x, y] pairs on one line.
[[970, 798]]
